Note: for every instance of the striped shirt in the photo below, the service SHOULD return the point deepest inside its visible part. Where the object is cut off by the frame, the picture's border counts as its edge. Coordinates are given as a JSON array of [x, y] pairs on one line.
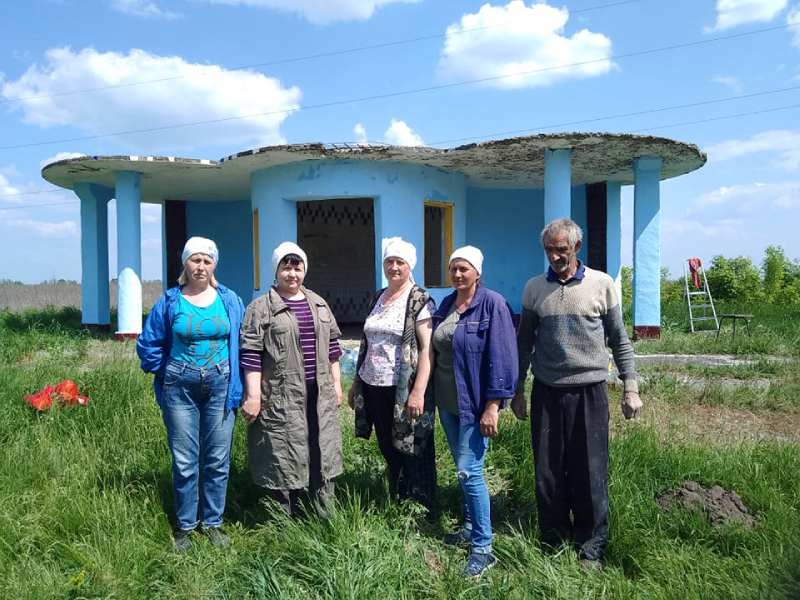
[[251, 361]]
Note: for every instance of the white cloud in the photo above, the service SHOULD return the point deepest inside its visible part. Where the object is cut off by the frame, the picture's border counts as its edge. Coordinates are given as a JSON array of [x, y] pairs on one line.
[[785, 142], [733, 83], [400, 134], [142, 8], [60, 156], [361, 133], [758, 195], [7, 190], [46, 228], [321, 12], [731, 13], [793, 20], [706, 229], [151, 213], [193, 92], [515, 39]]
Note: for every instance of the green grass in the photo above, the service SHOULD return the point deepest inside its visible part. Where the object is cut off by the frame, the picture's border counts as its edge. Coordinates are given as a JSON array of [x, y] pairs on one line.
[[761, 386], [85, 509], [774, 330]]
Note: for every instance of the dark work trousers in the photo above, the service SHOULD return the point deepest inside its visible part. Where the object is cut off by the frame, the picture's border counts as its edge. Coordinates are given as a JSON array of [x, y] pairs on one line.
[[410, 477], [569, 428], [319, 493]]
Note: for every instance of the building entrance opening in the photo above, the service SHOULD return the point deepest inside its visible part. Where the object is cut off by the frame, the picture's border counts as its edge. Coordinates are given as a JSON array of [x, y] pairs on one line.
[[339, 238]]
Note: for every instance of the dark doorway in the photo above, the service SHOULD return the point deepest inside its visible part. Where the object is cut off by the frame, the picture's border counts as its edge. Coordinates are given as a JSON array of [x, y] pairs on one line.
[[596, 221], [339, 238], [175, 238]]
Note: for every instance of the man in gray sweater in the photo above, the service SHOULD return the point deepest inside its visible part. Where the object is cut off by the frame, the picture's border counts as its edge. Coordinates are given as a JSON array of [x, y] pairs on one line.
[[569, 314]]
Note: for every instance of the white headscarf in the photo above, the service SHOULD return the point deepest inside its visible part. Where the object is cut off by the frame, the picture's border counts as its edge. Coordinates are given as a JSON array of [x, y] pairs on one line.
[[199, 245], [284, 249], [399, 248], [471, 254]]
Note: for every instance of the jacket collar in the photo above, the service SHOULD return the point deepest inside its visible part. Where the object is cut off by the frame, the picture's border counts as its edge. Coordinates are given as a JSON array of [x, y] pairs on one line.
[[552, 276], [278, 304], [173, 292], [477, 300]]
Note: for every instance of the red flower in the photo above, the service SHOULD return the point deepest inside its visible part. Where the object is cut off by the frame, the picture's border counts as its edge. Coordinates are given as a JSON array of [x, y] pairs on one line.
[[66, 393], [41, 400]]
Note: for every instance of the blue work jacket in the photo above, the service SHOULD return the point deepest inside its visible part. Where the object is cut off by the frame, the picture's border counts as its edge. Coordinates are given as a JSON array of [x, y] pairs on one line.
[[485, 360], [155, 342]]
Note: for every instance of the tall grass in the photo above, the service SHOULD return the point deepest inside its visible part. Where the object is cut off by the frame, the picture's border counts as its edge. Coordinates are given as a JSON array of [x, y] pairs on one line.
[[85, 510]]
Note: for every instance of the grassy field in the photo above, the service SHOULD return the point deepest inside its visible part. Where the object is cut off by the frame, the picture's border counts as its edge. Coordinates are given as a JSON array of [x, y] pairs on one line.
[[774, 330], [18, 296], [85, 498]]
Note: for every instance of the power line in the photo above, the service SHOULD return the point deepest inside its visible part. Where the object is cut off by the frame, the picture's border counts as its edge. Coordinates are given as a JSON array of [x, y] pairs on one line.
[[28, 207], [554, 125], [296, 59], [398, 93], [618, 115], [725, 117], [667, 126], [32, 192]]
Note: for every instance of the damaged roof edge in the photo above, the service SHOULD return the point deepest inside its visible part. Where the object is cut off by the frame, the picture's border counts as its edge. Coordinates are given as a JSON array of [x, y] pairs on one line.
[[502, 163]]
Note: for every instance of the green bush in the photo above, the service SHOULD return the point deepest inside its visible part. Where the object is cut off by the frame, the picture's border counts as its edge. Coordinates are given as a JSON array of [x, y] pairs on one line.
[[774, 268], [734, 279]]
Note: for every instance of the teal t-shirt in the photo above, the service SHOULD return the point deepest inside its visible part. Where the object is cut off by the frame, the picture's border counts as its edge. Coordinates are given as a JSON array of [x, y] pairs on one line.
[[200, 333]]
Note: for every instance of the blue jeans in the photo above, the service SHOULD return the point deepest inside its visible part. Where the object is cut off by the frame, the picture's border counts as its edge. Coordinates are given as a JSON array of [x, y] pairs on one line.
[[199, 432], [468, 448]]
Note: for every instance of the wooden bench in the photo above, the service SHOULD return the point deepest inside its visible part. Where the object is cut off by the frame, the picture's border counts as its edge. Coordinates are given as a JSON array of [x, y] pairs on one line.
[[734, 317]]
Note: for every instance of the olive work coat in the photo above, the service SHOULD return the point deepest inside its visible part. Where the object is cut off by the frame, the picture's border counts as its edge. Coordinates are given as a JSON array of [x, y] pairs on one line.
[[277, 440]]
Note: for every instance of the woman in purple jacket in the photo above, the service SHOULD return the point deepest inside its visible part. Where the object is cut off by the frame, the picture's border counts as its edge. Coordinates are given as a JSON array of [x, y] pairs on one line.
[[474, 375]]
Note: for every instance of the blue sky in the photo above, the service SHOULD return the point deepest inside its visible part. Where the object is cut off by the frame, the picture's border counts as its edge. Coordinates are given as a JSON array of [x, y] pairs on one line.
[[746, 197]]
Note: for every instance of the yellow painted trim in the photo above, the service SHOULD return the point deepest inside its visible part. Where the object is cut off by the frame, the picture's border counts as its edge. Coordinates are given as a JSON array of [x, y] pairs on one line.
[[256, 252], [447, 226]]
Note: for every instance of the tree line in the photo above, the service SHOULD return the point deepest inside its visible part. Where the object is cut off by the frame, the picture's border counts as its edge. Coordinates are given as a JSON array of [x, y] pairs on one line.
[[738, 279]]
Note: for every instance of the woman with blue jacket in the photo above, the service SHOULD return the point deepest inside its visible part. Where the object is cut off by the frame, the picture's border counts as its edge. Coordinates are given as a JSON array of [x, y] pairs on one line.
[[191, 343], [474, 375]]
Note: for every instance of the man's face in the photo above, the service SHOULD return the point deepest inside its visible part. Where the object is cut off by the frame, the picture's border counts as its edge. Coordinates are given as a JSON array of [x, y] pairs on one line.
[[560, 253]]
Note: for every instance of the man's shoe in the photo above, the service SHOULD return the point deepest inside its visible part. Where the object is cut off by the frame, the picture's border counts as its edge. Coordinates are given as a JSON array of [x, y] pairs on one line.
[[460, 539], [478, 564], [181, 540], [217, 537], [590, 564]]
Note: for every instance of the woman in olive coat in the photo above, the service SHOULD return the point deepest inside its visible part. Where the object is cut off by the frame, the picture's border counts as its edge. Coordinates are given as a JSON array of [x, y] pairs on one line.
[[290, 354]]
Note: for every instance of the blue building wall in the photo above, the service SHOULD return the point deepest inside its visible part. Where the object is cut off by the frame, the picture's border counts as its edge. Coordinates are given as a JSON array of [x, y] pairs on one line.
[[505, 225], [399, 191], [229, 224]]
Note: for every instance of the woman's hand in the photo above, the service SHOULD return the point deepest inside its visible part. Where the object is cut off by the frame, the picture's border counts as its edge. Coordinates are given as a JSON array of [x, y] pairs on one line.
[[415, 405], [251, 407], [351, 397], [489, 418], [337, 388], [336, 375]]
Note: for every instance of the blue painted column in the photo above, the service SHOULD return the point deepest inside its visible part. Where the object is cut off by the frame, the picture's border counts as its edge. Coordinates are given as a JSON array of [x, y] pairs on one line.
[[647, 247], [95, 301], [277, 222], [557, 186], [614, 234], [129, 254]]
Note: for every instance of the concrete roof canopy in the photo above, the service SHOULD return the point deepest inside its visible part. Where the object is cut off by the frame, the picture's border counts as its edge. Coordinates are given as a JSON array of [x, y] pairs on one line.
[[508, 163]]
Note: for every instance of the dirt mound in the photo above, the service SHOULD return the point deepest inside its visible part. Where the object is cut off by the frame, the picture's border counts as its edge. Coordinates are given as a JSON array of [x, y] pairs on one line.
[[723, 507]]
